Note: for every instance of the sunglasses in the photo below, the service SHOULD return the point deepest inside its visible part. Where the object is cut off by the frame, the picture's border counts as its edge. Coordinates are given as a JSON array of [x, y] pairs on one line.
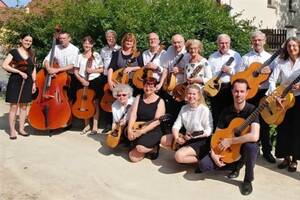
[[121, 95]]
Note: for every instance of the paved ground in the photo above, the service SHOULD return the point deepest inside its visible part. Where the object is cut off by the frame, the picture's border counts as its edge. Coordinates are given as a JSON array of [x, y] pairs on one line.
[[73, 166]]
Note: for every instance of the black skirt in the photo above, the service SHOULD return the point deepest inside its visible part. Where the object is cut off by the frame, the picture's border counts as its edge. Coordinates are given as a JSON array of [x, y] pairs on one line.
[[14, 88]]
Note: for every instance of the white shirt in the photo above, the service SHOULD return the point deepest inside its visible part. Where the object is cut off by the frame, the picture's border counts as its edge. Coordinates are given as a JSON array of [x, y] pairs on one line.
[[147, 57], [205, 73], [65, 56], [217, 60], [81, 64], [106, 54], [253, 56], [118, 110], [169, 59], [285, 73], [195, 119]]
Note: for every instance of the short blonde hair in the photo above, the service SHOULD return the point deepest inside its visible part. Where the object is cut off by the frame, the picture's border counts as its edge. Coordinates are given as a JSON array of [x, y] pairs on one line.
[[194, 42]]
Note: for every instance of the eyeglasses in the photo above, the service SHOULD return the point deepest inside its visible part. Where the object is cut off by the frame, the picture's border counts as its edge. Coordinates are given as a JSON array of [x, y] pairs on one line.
[[121, 95]]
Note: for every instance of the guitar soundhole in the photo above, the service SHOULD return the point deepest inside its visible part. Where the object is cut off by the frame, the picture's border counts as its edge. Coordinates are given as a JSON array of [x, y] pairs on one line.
[[84, 97], [114, 134], [229, 150], [255, 74]]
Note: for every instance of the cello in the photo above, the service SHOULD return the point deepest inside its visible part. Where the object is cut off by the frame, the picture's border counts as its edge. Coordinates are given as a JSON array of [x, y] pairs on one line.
[[84, 108], [51, 109]]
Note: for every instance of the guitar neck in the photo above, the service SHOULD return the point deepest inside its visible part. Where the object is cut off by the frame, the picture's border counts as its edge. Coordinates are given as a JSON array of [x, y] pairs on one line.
[[270, 60], [196, 71], [251, 117], [290, 86]]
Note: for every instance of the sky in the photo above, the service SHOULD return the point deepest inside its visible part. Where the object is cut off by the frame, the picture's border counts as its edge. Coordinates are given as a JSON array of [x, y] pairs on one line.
[[13, 3]]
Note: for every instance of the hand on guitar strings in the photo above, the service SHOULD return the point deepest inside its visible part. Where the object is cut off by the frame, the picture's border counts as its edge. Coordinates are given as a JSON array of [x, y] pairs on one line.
[[266, 70], [279, 102], [224, 143], [226, 69]]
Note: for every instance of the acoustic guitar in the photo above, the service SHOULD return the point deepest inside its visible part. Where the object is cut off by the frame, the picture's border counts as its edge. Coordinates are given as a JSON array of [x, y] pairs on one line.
[[213, 86], [179, 90], [107, 99], [119, 76], [114, 136], [274, 113], [254, 76], [84, 107], [140, 74], [170, 81], [176, 146], [237, 127]]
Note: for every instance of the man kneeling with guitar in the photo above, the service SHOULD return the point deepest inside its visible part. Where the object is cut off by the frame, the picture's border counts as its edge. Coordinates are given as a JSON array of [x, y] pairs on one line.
[[247, 138]]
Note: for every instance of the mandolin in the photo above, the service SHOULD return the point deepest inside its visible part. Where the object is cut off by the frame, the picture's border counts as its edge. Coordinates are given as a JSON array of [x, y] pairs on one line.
[[253, 74], [84, 108], [213, 86], [274, 113], [179, 90], [114, 136], [170, 81], [237, 127], [176, 146]]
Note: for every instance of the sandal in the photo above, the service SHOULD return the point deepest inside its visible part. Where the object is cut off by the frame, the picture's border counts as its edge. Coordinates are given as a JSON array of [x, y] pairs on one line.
[[292, 166], [24, 133], [93, 132], [152, 155], [12, 137], [86, 129]]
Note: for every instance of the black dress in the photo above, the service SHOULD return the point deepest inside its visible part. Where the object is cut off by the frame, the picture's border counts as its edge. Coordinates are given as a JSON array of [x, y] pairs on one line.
[[15, 79], [146, 112]]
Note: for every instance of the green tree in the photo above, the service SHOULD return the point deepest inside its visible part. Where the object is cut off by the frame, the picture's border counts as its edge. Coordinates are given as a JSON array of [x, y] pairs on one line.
[[193, 19]]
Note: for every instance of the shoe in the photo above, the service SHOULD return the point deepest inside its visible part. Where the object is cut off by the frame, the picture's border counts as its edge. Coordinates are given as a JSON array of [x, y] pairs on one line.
[[233, 174], [106, 129], [198, 170], [23, 133], [292, 166], [246, 188], [86, 129], [285, 163], [12, 137], [93, 132], [154, 153], [269, 157]]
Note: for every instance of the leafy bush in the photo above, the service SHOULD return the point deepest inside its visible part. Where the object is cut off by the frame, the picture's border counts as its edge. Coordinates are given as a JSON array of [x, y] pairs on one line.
[[193, 19]]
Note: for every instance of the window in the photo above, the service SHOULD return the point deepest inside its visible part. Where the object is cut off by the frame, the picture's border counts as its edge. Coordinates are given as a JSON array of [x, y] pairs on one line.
[[271, 4]]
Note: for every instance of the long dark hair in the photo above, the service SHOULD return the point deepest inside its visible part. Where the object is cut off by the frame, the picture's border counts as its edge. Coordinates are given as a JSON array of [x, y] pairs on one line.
[[29, 50], [90, 40], [284, 53]]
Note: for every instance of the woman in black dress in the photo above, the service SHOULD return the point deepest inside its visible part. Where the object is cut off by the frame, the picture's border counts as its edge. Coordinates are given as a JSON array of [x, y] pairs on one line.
[[146, 107], [21, 83]]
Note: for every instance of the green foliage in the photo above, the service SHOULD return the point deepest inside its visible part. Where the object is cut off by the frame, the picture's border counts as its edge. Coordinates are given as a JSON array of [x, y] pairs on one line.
[[193, 19]]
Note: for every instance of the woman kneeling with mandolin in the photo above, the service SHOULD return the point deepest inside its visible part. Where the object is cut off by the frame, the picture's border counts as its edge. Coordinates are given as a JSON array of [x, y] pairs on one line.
[[144, 122], [196, 118]]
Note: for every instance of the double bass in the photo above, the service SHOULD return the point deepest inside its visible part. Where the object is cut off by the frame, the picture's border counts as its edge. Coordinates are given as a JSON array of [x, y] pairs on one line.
[[51, 109]]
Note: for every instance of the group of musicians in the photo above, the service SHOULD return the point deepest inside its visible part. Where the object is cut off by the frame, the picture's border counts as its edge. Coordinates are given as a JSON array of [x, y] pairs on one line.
[[194, 122]]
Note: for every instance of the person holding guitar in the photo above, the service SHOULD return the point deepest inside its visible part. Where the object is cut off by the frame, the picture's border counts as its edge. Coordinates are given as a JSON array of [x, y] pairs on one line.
[[149, 108], [196, 119], [217, 62], [173, 61], [248, 140], [65, 56], [21, 83], [288, 138], [123, 95], [151, 58], [128, 57], [258, 54], [90, 75]]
